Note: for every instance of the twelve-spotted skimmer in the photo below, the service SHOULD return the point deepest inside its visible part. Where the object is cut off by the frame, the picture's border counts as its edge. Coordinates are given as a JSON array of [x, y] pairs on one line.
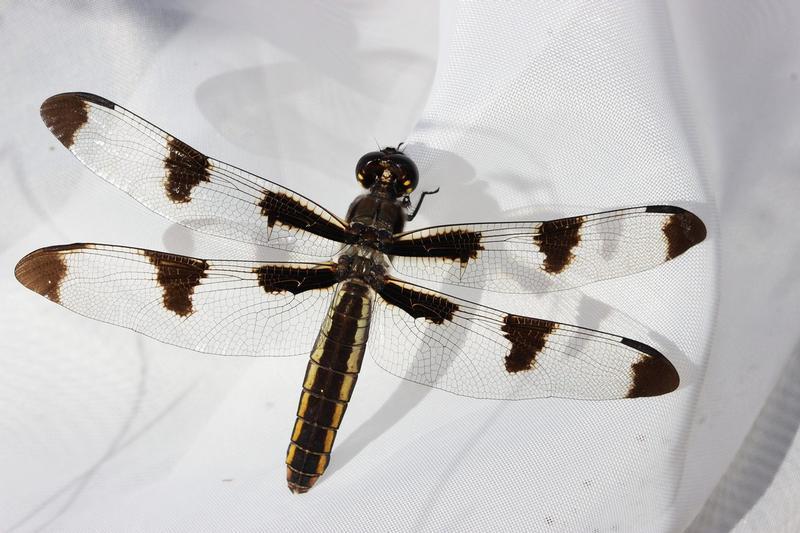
[[265, 308]]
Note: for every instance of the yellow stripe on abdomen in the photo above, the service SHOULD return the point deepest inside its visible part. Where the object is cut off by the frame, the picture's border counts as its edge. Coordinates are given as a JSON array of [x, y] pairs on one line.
[[330, 377]]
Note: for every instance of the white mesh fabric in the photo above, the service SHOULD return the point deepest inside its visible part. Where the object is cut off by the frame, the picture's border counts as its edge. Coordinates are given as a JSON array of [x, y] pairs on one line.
[[518, 111]]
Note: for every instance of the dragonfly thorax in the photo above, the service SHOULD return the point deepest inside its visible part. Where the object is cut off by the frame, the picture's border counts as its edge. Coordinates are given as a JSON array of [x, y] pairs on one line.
[[364, 263], [374, 219]]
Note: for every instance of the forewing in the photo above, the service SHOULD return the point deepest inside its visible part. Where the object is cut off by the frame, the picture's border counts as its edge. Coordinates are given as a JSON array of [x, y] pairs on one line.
[[214, 306], [184, 185], [473, 350], [547, 256]]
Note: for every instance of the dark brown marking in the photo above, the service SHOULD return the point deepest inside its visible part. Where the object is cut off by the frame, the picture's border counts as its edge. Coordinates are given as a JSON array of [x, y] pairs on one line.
[[178, 277], [185, 169], [349, 317], [328, 383], [653, 375], [556, 240], [93, 98], [299, 483], [310, 436], [43, 270], [379, 214], [306, 461], [275, 279], [340, 345], [64, 114], [456, 245], [683, 229], [418, 304], [528, 337], [281, 208], [321, 411]]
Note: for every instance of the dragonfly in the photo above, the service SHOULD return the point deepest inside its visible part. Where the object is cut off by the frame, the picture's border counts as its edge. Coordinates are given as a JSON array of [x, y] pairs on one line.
[[356, 284]]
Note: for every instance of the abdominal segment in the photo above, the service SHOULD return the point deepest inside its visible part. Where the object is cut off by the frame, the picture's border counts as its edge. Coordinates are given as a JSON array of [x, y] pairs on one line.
[[328, 385]]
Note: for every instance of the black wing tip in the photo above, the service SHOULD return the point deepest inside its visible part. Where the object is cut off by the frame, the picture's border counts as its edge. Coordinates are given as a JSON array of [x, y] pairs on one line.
[[642, 347], [653, 374], [48, 250], [95, 99], [73, 97], [62, 247], [664, 209]]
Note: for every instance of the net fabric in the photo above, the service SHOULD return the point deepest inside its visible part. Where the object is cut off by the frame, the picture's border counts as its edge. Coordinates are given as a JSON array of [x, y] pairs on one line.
[[535, 110]]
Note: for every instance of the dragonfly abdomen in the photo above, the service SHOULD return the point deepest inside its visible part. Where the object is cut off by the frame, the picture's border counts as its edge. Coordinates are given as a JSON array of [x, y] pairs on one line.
[[328, 385]]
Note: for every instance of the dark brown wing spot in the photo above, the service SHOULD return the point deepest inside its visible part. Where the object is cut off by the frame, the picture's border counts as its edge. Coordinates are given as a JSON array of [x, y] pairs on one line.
[[178, 277], [278, 278], [43, 270], [185, 169], [287, 211], [64, 114], [556, 239], [418, 304], [653, 374], [527, 336], [683, 230], [456, 245]]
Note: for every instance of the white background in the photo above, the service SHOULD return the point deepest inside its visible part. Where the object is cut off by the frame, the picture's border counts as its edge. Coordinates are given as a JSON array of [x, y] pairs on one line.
[[517, 111]]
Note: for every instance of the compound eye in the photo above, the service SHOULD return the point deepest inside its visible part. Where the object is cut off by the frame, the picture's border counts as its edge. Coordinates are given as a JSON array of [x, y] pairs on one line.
[[368, 169], [406, 175]]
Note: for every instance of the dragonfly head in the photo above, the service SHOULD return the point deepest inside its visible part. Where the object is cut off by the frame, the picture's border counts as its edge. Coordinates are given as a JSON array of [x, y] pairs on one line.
[[388, 169]]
